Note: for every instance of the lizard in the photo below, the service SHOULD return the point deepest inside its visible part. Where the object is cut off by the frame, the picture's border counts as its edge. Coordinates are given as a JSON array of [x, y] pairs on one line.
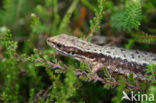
[[115, 59]]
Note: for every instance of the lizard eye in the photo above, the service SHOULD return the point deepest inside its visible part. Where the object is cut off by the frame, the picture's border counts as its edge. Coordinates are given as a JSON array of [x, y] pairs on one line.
[[59, 45]]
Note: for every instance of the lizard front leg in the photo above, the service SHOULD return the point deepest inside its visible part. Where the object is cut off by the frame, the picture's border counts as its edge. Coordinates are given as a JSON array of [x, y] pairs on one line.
[[96, 67]]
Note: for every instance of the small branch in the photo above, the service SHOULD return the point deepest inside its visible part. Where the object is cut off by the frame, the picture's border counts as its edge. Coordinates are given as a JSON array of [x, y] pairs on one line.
[[98, 17], [49, 63], [44, 62], [114, 83], [45, 94], [80, 73], [115, 41], [95, 26], [81, 18], [148, 35], [97, 78], [37, 96]]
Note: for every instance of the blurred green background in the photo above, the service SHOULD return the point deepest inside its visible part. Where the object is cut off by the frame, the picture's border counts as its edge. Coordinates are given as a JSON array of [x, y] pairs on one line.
[[26, 75]]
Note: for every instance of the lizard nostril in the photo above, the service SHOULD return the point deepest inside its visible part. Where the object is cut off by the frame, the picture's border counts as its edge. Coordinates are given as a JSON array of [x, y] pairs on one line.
[[48, 40]]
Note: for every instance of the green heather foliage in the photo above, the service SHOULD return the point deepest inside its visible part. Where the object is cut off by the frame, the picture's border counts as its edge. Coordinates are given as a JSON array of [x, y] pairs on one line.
[[117, 98], [151, 69], [94, 24], [129, 17], [33, 72]]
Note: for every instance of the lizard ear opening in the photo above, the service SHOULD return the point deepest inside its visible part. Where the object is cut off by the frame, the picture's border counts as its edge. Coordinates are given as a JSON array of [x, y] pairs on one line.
[[48, 40], [73, 52]]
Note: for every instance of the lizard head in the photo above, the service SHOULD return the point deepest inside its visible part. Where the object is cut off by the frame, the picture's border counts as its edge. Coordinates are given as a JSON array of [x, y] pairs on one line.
[[71, 46], [60, 40], [64, 43]]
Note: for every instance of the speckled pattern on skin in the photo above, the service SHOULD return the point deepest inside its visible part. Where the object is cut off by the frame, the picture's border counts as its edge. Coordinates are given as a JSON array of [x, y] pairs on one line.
[[116, 59]]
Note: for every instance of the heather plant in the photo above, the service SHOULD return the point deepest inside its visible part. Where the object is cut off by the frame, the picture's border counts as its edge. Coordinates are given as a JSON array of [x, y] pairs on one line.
[[33, 72]]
